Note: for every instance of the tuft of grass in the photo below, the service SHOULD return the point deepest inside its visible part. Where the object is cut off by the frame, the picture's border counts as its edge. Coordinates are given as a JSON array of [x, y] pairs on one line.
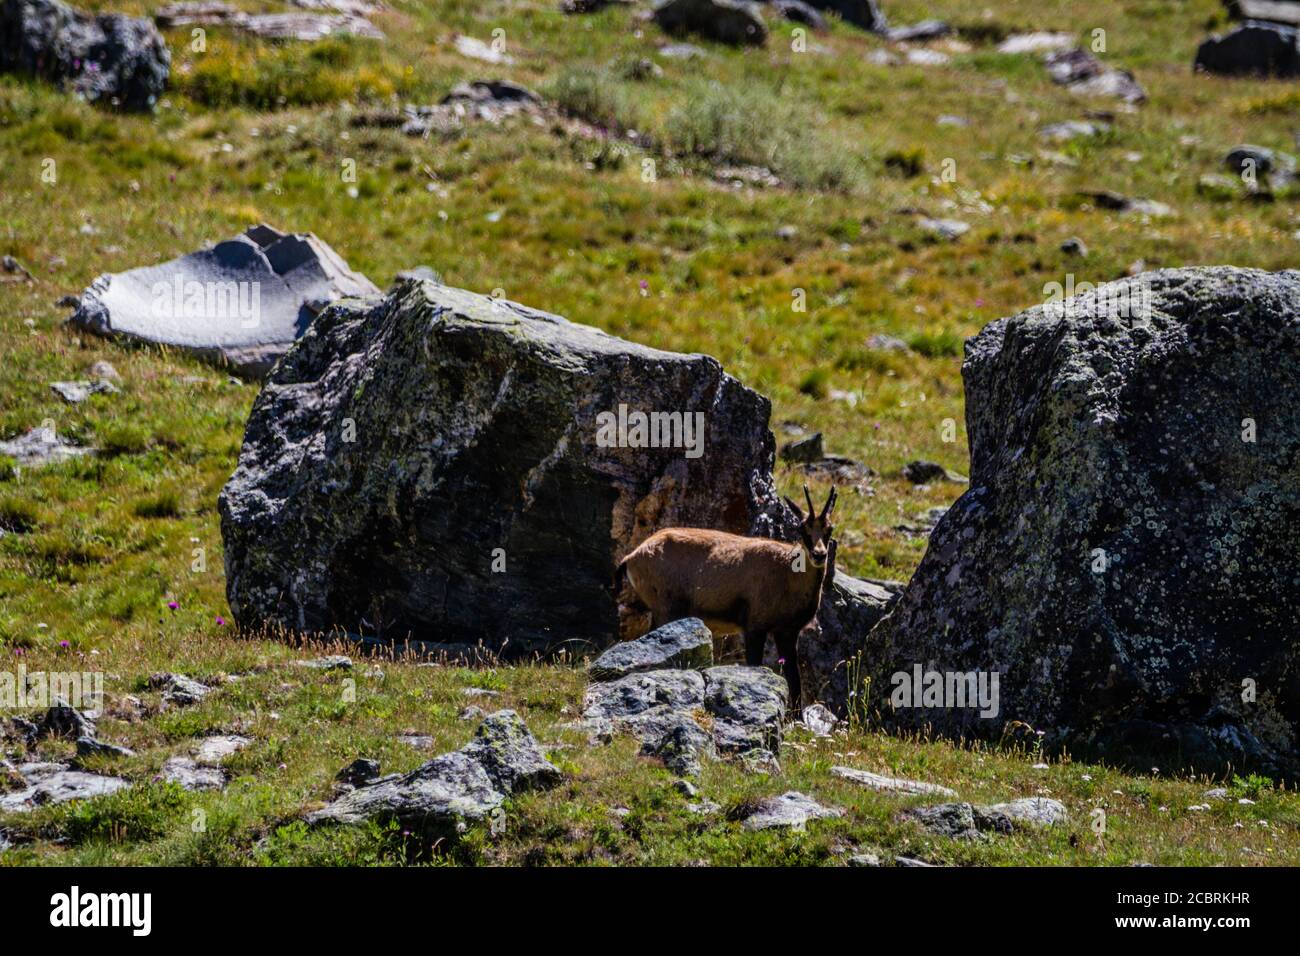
[[164, 504], [597, 96], [939, 343], [18, 516]]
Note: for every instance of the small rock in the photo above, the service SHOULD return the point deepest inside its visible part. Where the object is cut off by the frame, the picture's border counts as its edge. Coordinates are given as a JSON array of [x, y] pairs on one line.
[[90, 747], [335, 662], [921, 32], [1036, 42], [864, 859], [790, 810], [922, 472], [40, 447], [74, 393], [803, 449], [472, 712], [703, 808], [478, 50], [734, 22], [64, 720], [1074, 246], [910, 861], [946, 229], [212, 750], [190, 775], [875, 781], [49, 783], [819, 719], [1081, 72], [1072, 129], [1218, 793], [1255, 48], [686, 789], [954, 820], [102, 370], [178, 689], [359, 772], [1029, 811]]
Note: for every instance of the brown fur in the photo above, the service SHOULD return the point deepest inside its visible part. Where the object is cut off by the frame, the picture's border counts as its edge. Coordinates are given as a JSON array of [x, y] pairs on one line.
[[730, 581]]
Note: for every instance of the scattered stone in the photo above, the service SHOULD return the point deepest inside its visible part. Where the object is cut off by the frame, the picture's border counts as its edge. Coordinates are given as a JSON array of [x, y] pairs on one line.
[[211, 751], [839, 471], [1271, 168], [735, 22], [686, 643], [90, 747], [875, 781], [740, 177], [1275, 11], [797, 11], [108, 58], [946, 229], [803, 450], [682, 51], [443, 796], [188, 774], [417, 741], [74, 393], [476, 49], [921, 32], [463, 468], [1106, 199], [472, 712], [15, 269], [103, 371], [925, 57], [1074, 246], [887, 343], [864, 860], [1081, 72], [1027, 811], [303, 27], [50, 783], [791, 810], [479, 692], [948, 119], [910, 861], [40, 447], [704, 808], [1083, 442], [686, 789], [921, 472], [334, 662], [178, 689], [861, 13], [241, 303], [1072, 129], [953, 820], [65, 721], [924, 523], [359, 772], [819, 720], [639, 693], [1036, 43], [1256, 48]]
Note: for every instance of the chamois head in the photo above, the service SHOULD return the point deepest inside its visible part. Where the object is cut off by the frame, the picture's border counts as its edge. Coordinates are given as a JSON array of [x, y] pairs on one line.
[[815, 529]]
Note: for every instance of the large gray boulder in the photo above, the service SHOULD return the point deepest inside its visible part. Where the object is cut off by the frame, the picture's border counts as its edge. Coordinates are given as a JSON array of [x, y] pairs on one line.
[[1127, 559], [1255, 48], [446, 468], [107, 57], [241, 303], [861, 13], [444, 796], [737, 22]]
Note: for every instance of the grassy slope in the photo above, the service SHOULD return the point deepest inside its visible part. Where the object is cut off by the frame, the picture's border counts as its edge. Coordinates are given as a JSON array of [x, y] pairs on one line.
[[114, 538]]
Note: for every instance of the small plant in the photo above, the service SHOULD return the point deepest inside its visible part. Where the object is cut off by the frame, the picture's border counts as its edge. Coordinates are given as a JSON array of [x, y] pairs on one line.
[[1250, 786], [18, 516], [816, 383]]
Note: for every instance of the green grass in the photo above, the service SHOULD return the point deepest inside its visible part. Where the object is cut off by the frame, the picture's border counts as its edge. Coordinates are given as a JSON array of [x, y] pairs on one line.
[[93, 550]]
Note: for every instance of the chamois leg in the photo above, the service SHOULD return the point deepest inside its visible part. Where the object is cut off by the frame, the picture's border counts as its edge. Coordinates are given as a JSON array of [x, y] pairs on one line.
[[787, 650], [755, 642]]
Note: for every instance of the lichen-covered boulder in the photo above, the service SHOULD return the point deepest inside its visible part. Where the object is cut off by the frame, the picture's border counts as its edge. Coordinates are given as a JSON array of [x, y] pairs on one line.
[[1127, 559], [450, 469], [442, 797], [105, 57], [686, 643]]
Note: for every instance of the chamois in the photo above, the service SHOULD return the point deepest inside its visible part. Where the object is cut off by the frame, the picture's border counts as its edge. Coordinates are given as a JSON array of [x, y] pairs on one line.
[[758, 585]]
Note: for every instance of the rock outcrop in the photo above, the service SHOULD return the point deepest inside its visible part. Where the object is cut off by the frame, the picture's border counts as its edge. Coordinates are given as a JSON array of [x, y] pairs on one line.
[[241, 303], [451, 470], [828, 647], [1126, 559], [108, 58], [444, 796], [686, 643]]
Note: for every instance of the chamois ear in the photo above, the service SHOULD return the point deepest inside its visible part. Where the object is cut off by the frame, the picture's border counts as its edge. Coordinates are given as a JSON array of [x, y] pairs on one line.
[[830, 503], [812, 508], [793, 507]]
